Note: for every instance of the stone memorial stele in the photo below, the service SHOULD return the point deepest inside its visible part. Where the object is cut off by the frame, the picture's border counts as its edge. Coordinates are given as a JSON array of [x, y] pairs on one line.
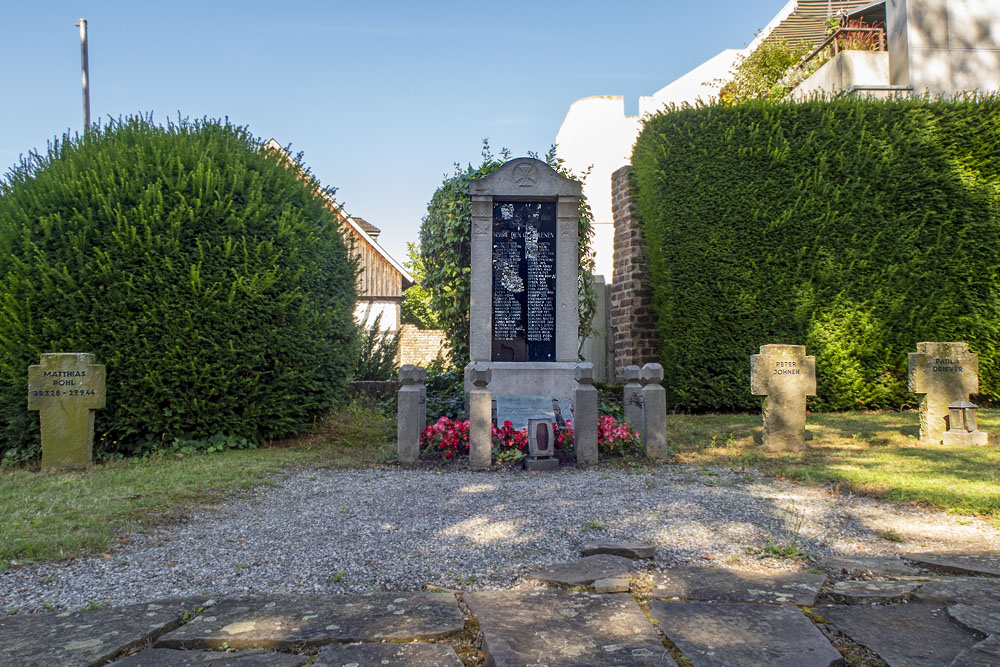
[[65, 389], [784, 376], [480, 418], [632, 396], [943, 373], [654, 413], [523, 312], [586, 403]]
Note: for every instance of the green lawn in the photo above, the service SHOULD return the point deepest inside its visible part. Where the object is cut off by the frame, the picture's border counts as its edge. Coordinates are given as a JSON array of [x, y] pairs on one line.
[[54, 516], [872, 453]]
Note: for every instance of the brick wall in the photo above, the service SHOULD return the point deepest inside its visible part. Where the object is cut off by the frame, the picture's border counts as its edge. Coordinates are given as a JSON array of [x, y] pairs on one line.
[[421, 346], [633, 327]]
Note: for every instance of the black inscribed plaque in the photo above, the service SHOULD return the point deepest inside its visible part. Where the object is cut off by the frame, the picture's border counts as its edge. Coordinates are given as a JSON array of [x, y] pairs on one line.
[[524, 281]]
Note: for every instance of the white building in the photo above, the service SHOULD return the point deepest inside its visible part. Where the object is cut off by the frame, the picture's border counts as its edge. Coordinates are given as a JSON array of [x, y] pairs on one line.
[[936, 47]]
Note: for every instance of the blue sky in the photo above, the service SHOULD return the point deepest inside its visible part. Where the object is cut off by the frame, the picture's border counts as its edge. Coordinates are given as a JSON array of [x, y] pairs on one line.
[[382, 97]]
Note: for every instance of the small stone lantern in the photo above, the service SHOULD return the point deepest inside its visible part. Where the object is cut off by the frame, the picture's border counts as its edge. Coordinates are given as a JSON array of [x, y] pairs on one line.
[[541, 444], [962, 429]]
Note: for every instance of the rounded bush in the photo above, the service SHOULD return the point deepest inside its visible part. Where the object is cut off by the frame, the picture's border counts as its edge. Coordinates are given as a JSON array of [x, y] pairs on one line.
[[206, 271]]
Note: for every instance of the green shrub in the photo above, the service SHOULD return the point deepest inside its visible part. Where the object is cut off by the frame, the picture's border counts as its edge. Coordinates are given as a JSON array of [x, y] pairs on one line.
[[379, 349], [857, 228], [207, 272]]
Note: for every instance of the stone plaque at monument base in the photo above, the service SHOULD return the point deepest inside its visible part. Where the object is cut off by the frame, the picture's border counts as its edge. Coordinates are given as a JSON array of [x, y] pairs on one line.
[[524, 288], [65, 389]]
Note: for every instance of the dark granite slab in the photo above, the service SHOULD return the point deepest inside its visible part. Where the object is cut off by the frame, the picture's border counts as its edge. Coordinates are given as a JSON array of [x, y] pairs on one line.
[[634, 550], [984, 654], [872, 592], [710, 584], [565, 629], [979, 619], [584, 571], [986, 563], [293, 623], [165, 657], [411, 655], [956, 590], [906, 635], [721, 634], [86, 637]]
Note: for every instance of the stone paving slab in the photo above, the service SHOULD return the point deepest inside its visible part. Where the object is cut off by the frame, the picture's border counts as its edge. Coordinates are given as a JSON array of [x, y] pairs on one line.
[[882, 566], [871, 592], [986, 563], [411, 655], [584, 571], [956, 590], [165, 657], [984, 654], [710, 584], [723, 634], [82, 638], [565, 629], [296, 622], [978, 619], [906, 635], [634, 550]]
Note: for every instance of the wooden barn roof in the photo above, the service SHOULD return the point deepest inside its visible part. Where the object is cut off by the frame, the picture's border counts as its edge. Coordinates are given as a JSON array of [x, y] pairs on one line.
[[359, 226]]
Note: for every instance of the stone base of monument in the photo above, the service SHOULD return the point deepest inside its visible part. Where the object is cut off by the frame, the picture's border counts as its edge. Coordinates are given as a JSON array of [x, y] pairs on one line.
[[964, 438], [528, 378], [542, 465]]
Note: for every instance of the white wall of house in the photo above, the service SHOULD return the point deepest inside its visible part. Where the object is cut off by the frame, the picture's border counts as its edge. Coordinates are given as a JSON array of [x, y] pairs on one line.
[[596, 134], [944, 47], [848, 69], [365, 313]]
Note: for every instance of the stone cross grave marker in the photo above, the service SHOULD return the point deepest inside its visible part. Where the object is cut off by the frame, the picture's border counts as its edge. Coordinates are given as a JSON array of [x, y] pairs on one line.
[[943, 373], [784, 376], [66, 388]]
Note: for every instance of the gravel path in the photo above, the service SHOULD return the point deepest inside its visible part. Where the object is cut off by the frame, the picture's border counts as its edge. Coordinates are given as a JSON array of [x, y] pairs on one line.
[[393, 529]]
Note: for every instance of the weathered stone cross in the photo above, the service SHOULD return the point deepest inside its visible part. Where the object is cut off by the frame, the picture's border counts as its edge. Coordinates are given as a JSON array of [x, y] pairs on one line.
[[66, 389], [943, 373], [784, 375]]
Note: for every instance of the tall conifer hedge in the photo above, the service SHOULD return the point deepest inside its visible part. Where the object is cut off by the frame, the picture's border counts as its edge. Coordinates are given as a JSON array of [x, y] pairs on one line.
[[205, 271], [857, 228]]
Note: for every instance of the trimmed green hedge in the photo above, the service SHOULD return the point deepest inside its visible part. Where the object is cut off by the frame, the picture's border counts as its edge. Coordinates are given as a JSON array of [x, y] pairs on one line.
[[856, 228], [204, 270]]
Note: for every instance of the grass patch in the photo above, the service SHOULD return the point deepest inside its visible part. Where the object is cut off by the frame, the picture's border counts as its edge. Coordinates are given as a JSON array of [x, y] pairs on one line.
[[56, 516], [876, 454]]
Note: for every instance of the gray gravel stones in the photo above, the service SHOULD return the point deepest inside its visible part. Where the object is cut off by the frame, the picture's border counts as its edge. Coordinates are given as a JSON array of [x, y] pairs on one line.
[[165, 657], [986, 563], [907, 635], [333, 531], [713, 634], [709, 584], [565, 628], [411, 655], [292, 623], [84, 638], [584, 571], [871, 592], [633, 550]]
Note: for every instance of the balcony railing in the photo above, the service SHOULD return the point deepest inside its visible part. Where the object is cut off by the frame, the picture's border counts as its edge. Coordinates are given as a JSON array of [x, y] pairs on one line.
[[841, 32]]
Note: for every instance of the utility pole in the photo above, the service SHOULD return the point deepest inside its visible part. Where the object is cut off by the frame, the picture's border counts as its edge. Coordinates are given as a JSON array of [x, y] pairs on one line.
[[86, 74]]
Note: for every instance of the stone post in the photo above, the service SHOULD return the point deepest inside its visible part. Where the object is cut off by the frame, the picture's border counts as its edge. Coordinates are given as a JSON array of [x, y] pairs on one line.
[[585, 416], [632, 396], [411, 412], [66, 388], [654, 413], [480, 419], [943, 373], [784, 376]]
